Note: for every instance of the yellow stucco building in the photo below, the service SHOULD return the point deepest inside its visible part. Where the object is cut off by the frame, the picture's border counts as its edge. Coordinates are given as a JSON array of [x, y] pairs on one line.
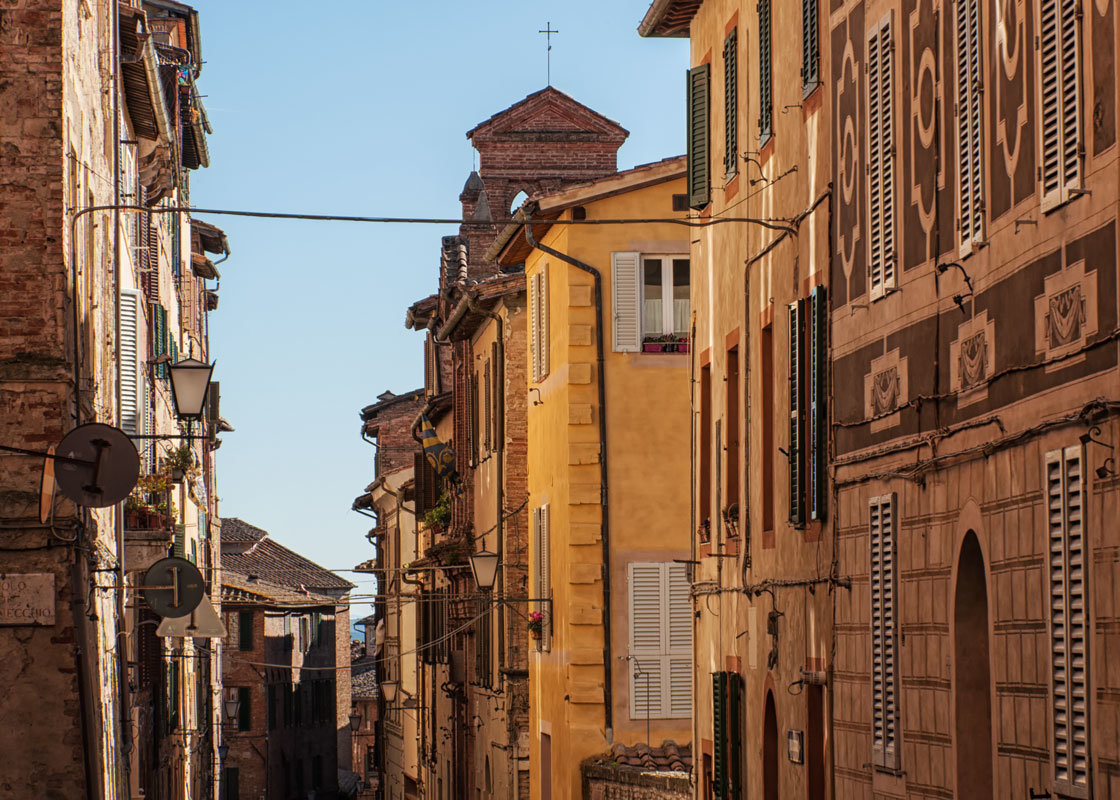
[[608, 465]]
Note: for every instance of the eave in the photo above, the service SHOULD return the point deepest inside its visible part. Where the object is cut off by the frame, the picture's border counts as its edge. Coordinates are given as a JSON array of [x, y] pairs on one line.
[[669, 18]]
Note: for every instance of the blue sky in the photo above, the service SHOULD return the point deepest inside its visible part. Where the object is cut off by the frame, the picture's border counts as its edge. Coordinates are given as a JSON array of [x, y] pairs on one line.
[[361, 108]]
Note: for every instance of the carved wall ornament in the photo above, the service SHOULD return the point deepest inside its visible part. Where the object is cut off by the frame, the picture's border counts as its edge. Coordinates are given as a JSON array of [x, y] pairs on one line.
[[1065, 314], [972, 359], [886, 388]]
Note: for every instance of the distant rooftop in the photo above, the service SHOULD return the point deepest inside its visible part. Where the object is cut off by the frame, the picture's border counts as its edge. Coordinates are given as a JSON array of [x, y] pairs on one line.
[[249, 550]]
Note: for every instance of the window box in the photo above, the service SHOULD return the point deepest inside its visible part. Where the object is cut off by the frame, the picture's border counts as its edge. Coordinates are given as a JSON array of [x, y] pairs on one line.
[[669, 343]]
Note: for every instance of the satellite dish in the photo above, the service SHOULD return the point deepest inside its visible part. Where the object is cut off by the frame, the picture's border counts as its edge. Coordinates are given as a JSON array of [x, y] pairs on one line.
[[173, 587], [97, 465]]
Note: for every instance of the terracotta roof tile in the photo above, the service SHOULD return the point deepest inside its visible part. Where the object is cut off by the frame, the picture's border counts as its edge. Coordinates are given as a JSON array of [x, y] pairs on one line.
[[270, 561], [669, 757]]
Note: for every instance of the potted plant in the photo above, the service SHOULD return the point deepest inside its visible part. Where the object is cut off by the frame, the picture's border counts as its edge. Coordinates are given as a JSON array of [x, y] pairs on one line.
[[439, 515], [652, 344], [180, 463], [536, 624]]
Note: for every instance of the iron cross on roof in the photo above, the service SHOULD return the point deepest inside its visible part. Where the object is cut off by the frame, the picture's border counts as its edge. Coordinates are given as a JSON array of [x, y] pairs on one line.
[[548, 31]]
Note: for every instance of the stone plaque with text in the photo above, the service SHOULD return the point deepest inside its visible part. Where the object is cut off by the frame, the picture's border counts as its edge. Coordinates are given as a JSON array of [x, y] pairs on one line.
[[27, 599]]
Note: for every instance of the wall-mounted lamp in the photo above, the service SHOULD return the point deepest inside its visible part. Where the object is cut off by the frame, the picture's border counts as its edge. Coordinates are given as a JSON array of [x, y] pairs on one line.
[[538, 401]]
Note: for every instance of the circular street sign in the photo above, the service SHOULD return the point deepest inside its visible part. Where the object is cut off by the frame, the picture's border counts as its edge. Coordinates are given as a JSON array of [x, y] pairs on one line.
[[173, 587], [97, 466]]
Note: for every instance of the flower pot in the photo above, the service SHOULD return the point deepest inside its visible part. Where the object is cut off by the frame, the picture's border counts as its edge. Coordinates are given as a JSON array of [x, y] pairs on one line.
[[651, 347], [176, 475], [535, 634], [682, 347]]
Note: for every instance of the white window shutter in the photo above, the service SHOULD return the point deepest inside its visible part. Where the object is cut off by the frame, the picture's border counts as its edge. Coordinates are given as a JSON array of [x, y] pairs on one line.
[[626, 295], [1068, 623], [1059, 100], [546, 574], [647, 641], [543, 333], [884, 671], [535, 326], [969, 124], [880, 158], [131, 371], [680, 642]]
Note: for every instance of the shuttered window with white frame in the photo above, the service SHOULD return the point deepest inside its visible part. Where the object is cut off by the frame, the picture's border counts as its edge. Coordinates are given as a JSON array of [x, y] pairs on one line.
[[880, 158], [538, 323], [131, 362], [626, 295], [660, 657], [542, 298], [970, 113], [884, 633], [1069, 684], [1059, 101], [542, 578]]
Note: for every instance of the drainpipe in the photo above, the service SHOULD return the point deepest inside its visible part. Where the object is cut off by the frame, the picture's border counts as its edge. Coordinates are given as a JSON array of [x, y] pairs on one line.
[[604, 492]]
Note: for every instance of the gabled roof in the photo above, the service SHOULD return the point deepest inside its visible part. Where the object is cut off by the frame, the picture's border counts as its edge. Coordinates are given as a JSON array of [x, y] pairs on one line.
[[383, 402], [267, 560], [547, 112], [669, 18], [464, 320], [239, 589], [510, 248]]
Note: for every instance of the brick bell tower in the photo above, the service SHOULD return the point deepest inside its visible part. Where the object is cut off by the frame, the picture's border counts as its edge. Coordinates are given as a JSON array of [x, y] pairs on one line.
[[542, 143]]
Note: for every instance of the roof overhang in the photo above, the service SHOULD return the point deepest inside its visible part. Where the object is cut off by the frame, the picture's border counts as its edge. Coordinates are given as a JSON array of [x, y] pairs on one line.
[[212, 238], [203, 267], [669, 18], [146, 105]]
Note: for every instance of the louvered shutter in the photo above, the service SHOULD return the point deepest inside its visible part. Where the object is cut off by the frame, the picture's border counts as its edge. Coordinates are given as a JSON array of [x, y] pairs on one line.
[[535, 326], [153, 256], [734, 736], [648, 665], [810, 44], [1059, 99], [131, 369], [880, 158], [796, 414], [969, 124], [818, 378], [544, 329], [699, 157], [730, 103], [765, 84], [487, 409], [1069, 645], [626, 293], [719, 734], [884, 674], [543, 588], [179, 546], [680, 642]]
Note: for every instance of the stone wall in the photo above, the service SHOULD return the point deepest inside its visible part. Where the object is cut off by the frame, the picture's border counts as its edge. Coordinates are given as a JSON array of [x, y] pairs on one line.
[[602, 782]]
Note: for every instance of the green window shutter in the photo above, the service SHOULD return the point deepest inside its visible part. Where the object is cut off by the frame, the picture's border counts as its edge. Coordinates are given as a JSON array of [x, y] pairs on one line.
[[765, 88], [731, 103], [174, 350], [735, 735], [818, 378], [810, 44], [159, 338], [699, 169], [719, 734], [796, 414], [179, 548], [244, 630]]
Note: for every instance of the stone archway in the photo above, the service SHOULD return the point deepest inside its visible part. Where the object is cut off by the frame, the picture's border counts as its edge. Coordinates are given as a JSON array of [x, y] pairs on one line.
[[770, 750], [972, 698]]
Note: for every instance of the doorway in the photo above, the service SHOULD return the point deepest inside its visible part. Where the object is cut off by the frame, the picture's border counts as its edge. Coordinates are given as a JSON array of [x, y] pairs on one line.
[[972, 700], [770, 750]]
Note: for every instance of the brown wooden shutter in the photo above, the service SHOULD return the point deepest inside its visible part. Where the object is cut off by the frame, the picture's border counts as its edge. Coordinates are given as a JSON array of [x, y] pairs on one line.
[[730, 104], [880, 158], [884, 634], [699, 156]]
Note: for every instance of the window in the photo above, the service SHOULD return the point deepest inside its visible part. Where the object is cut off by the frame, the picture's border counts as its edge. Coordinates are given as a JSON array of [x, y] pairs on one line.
[[765, 83], [244, 630], [884, 634], [538, 323], [699, 170], [810, 45], [818, 377], [131, 370], [880, 159], [272, 709], [660, 660], [1069, 664], [704, 434], [244, 709], [371, 761], [159, 334], [970, 112], [796, 413], [731, 103], [542, 580], [231, 784], [731, 425], [1059, 56], [484, 644], [727, 734], [650, 299], [766, 344], [487, 408]]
